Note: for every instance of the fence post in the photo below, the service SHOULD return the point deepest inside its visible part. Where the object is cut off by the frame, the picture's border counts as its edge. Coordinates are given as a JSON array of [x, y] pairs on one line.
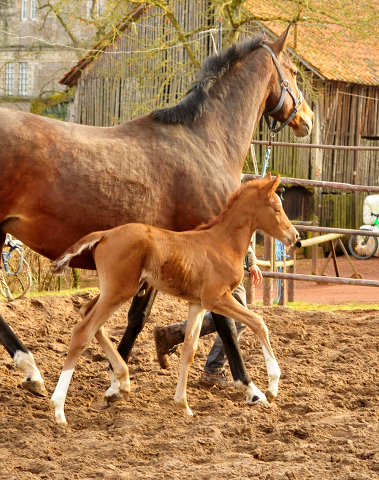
[[268, 282], [291, 282], [314, 249], [283, 284]]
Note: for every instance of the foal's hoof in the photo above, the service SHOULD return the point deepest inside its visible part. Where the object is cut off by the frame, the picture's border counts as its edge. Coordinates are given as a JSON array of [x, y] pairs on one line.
[[255, 399], [270, 396], [121, 396], [35, 386], [185, 409]]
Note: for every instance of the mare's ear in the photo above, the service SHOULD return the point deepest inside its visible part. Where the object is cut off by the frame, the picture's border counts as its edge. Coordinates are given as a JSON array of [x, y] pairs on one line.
[[281, 42]]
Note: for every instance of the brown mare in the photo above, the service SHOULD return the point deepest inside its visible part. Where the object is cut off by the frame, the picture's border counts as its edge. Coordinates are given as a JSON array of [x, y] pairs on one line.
[[202, 266], [173, 168]]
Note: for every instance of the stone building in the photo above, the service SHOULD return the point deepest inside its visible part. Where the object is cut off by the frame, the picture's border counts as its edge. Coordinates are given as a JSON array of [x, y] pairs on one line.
[[36, 49]]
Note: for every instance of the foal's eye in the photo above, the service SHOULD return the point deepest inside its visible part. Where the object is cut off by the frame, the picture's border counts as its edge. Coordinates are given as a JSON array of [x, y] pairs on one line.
[[277, 210]]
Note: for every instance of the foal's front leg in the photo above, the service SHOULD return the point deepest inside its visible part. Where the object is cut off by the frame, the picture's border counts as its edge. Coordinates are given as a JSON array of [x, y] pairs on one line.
[[194, 322], [241, 377], [228, 306]]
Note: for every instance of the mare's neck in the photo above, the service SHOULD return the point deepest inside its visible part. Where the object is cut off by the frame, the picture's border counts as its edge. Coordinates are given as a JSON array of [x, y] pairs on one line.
[[235, 107]]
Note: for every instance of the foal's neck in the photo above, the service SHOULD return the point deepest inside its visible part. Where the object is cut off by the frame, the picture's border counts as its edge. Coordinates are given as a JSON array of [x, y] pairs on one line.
[[238, 221]]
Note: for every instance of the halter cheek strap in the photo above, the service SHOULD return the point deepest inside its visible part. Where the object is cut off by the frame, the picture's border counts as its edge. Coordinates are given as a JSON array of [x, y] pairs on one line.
[[285, 88]]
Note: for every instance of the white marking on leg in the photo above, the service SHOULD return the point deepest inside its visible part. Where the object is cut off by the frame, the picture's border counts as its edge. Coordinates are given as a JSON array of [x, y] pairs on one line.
[[254, 395], [273, 372], [59, 395], [25, 361], [117, 386], [114, 389]]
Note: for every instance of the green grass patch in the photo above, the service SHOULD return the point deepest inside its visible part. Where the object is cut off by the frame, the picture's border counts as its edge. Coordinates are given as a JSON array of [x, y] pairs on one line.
[[328, 307], [331, 308], [56, 293]]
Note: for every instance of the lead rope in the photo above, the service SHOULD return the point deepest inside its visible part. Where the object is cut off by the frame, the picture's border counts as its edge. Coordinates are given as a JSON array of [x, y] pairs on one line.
[[267, 154]]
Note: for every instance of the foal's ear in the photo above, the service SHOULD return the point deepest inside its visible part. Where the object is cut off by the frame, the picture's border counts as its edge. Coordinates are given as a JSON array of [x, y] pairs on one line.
[[281, 42], [271, 185]]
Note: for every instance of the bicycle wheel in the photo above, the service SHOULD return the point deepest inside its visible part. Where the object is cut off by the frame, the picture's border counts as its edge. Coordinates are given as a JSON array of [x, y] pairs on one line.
[[17, 283], [363, 246]]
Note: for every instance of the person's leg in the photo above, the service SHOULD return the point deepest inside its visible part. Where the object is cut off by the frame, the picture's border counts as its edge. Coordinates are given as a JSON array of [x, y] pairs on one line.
[[166, 338]]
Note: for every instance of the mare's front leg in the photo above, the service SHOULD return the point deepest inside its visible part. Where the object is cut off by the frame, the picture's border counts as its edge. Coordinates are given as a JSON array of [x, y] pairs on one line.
[[194, 321], [242, 380], [228, 306], [22, 359], [138, 314]]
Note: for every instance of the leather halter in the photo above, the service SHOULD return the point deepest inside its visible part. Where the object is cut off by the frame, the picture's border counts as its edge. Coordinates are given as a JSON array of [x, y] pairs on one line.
[[285, 88]]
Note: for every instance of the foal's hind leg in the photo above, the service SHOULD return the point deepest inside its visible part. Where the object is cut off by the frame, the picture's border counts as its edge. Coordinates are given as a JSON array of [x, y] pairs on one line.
[[195, 317], [82, 334], [120, 387]]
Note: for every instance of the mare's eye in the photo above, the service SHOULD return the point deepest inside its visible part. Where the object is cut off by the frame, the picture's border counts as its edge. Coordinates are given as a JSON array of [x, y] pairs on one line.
[[277, 210]]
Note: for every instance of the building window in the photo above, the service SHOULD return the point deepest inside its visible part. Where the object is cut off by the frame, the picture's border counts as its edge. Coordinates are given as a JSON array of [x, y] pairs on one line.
[[9, 78], [98, 7], [23, 80], [24, 10], [33, 10]]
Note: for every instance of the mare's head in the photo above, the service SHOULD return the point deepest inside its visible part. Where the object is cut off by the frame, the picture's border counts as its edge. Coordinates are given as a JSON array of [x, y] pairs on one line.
[[302, 122], [270, 216]]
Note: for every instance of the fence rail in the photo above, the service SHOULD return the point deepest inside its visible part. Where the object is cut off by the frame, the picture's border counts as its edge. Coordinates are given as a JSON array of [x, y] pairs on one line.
[[321, 279], [318, 183]]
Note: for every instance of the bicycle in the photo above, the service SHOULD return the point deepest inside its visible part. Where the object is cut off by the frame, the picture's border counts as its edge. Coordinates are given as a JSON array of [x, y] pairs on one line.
[[363, 246], [15, 275]]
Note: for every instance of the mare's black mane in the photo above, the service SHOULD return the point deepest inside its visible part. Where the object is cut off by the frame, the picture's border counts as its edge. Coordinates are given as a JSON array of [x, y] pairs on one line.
[[193, 104]]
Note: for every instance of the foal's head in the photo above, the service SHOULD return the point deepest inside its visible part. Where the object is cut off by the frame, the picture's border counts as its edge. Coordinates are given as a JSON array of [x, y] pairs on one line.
[[302, 122], [270, 215]]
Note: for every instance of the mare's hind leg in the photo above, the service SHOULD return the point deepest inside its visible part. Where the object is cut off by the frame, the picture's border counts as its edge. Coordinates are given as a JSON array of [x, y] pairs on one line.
[[228, 306], [138, 314], [195, 318], [22, 357], [242, 380]]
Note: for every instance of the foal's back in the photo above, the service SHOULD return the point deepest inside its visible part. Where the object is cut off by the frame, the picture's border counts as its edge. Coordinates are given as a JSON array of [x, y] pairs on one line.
[[177, 263]]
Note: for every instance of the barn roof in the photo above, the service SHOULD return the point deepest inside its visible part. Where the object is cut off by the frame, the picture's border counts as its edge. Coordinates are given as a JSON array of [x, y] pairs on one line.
[[330, 49], [324, 47]]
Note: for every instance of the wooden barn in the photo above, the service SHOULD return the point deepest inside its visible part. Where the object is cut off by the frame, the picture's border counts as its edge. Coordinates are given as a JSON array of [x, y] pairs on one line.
[[144, 67]]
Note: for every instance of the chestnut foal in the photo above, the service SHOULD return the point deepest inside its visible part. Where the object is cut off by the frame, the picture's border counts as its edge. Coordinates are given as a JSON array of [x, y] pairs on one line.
[[202, 266]]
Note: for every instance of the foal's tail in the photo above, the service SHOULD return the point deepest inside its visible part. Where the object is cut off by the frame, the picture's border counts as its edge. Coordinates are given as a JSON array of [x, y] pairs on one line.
[[89, 241]]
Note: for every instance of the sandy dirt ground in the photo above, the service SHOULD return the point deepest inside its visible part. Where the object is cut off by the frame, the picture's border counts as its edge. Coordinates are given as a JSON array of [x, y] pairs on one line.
[[324, 424]]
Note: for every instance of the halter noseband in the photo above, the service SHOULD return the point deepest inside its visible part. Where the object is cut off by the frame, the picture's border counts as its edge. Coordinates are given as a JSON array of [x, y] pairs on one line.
[[285, 88]]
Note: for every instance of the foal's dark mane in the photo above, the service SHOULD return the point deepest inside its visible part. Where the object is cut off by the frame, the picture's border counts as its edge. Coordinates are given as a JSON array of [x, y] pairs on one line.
[[231, 201], [194, 102]]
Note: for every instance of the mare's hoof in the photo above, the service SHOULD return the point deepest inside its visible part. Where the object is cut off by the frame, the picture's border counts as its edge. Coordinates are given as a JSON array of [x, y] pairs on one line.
[[121, 396], [36, 387]]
